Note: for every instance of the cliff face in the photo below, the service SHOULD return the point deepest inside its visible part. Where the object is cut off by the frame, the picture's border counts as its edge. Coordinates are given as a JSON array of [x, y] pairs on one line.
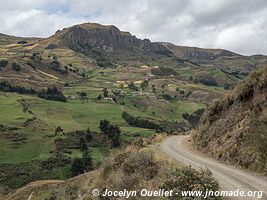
[[234, 129], [106, 38], [108, 43]]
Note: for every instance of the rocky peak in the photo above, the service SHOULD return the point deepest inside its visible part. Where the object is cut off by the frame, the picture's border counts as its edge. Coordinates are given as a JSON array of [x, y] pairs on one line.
[[105, 38]]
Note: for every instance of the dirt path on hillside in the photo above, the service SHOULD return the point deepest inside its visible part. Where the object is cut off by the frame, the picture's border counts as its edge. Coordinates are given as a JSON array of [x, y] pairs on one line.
[[230, 178]]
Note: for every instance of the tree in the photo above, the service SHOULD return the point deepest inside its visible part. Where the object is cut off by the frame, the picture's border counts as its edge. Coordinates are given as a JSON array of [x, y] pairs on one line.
[[105, 92], [58, 130], [104, 126], [112, 131], [16, 67], [154, 88], [3, 63], [88, 135], [82, 95], [77, 166], [144, 85], [83, 144], [87, 160], [182, 91], [114, 135], [191, 78], [132, 86], [99, 97]]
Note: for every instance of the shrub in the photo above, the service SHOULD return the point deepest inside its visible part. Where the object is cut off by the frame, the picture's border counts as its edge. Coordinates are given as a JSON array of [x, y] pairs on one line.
[[3, 63], [22, 42], [189, 179], [167, 97], [210, 81], [16, 66], [141, 163]]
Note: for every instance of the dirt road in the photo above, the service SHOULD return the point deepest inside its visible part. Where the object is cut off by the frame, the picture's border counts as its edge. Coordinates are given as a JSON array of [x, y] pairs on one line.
[[230, 178]]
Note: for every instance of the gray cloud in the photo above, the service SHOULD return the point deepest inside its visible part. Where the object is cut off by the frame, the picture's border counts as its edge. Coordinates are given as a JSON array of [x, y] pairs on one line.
[[237, 25]]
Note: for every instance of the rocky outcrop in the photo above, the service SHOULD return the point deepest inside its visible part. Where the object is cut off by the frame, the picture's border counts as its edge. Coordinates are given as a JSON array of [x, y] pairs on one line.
[[107, 39]]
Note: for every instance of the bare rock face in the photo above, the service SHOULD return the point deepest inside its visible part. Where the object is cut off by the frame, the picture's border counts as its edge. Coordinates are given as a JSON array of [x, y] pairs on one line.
[[109, 44], [107, 39]]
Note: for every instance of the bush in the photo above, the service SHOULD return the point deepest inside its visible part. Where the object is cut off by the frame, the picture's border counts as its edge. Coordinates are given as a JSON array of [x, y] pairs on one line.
[[189, 179], [210, 81], [167, 97], [16, 67], [22, 42], [132, 86], [141, 163], [3, 63]]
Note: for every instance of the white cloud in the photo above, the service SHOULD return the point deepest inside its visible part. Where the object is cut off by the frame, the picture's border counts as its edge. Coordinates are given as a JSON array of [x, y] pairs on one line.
[[238, 25]]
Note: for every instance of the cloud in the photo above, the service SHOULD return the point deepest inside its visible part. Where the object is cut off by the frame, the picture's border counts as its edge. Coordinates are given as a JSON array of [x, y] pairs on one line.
[[237, 25]]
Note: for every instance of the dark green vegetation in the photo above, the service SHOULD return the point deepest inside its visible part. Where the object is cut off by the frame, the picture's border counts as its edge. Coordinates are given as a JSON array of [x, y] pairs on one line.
[[52, 93], [233, 129], [54, 88], [132, 170]]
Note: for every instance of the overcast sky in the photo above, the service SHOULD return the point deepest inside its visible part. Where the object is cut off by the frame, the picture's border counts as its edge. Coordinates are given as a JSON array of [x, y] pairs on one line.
[[237, 25]]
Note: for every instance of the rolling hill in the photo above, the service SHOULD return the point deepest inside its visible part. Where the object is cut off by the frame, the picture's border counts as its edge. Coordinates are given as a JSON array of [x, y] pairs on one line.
[[56, 91]]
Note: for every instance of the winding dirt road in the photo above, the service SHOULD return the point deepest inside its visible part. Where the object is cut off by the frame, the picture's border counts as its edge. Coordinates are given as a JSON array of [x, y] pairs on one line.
[[230, 178]]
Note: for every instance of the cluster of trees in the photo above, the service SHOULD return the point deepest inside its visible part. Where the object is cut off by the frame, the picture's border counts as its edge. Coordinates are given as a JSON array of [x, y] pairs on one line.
[[210, 81], [84, 164], [194, 118], [6, 87], [75, 140], [104, 63], [22, 42], [55, 65], [52, 93], [112, 131], [167, 97], [140, 122], [163, 71], [36, 57]]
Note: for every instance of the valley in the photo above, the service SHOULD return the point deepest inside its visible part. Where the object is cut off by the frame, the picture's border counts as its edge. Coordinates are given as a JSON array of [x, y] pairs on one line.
[[61, 97]]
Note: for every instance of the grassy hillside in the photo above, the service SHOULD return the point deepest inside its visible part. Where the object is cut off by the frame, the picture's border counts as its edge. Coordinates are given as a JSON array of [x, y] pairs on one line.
[[55, 91], [233, 129]]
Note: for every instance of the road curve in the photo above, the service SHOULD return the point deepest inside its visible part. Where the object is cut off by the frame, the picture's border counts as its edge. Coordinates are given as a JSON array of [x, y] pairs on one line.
[[230, 178]]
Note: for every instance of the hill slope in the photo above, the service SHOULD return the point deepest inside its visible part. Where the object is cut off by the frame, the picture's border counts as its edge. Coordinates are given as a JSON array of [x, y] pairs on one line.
[[234, 128], [106, 43]]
